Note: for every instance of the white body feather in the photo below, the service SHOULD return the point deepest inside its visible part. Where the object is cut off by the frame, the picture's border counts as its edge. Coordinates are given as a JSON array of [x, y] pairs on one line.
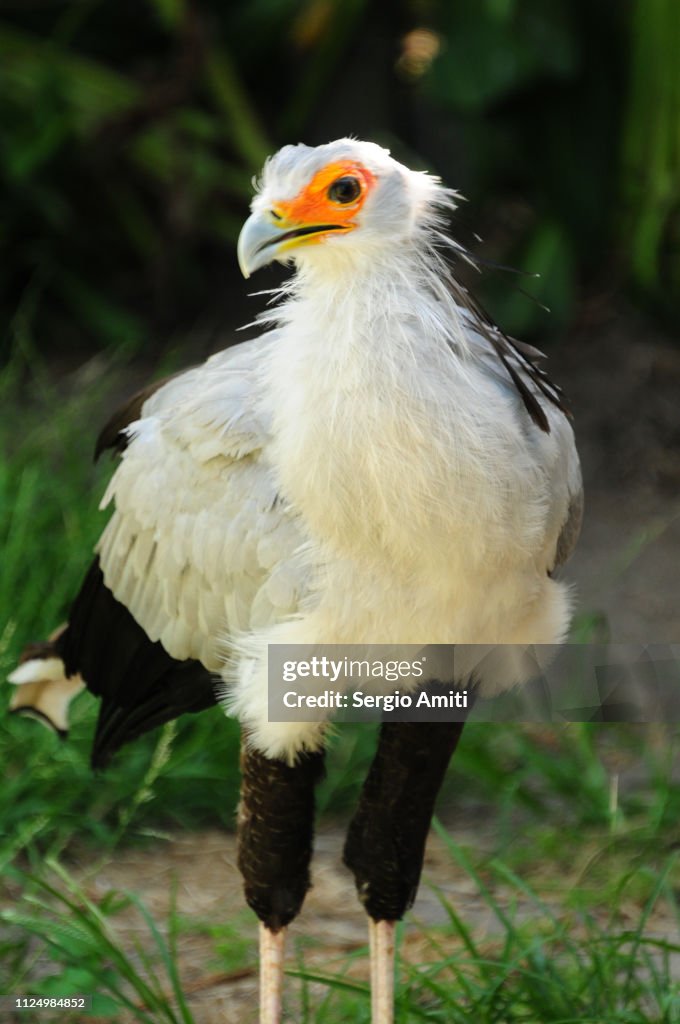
[[364, 473]]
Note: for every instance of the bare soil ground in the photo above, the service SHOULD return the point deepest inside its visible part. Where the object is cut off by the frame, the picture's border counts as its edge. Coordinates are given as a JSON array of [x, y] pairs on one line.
[[332, 924], [202, 870]]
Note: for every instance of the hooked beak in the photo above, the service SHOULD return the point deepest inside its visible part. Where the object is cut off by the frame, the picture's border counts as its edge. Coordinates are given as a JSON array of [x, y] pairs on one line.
[[267, 236]]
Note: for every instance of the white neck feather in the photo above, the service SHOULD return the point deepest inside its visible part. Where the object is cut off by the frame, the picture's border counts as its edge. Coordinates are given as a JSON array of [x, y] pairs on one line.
[[362, 382], [396, 310]]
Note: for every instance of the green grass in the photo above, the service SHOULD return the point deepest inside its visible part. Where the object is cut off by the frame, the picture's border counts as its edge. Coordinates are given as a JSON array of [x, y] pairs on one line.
[[579, 958], [581, 865]]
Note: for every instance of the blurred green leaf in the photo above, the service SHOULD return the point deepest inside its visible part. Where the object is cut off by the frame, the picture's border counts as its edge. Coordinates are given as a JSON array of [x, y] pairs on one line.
[[89, 90], [241, 121], [170, 12], [492, 48], [651, 148], [105, 318], [341, 21]]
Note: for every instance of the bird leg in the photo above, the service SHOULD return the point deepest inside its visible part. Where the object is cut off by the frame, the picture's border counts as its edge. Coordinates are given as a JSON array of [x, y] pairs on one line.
[[381, 943], [385, 843], [271, 974], [275, 834]]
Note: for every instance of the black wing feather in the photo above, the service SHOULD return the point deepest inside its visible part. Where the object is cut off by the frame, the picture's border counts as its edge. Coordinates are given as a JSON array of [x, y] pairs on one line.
[[518, 358], [140, 685]]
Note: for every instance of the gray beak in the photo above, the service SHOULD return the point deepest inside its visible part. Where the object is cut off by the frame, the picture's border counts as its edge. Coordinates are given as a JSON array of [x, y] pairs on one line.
[[257, 243], [264, 238]]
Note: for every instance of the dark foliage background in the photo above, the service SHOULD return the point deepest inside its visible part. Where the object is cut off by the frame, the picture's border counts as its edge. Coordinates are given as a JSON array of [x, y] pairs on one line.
[[130, 132]]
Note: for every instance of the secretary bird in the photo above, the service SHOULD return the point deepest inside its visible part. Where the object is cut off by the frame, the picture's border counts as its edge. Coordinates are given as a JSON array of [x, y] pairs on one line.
[[380, 465]]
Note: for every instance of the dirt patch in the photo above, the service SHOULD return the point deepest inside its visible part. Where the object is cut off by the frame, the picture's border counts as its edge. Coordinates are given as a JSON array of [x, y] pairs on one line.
[[201, 870]]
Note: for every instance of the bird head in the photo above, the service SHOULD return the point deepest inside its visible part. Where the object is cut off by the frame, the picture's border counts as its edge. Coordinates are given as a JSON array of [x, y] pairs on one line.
[[340, 200]]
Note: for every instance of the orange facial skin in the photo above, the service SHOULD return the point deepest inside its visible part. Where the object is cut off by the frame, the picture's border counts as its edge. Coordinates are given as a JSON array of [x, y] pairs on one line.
[[312, 205]]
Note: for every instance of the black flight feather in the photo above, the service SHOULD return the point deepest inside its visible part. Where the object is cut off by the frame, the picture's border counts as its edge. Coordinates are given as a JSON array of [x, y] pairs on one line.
[[140, 685]]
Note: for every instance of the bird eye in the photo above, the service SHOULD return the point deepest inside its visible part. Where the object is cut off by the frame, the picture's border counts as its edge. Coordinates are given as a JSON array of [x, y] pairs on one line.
[[344, 190]]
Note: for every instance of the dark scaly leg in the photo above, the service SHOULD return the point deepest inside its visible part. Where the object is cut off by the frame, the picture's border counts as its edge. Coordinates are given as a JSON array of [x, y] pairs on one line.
[[386, 840], [275, 835]]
